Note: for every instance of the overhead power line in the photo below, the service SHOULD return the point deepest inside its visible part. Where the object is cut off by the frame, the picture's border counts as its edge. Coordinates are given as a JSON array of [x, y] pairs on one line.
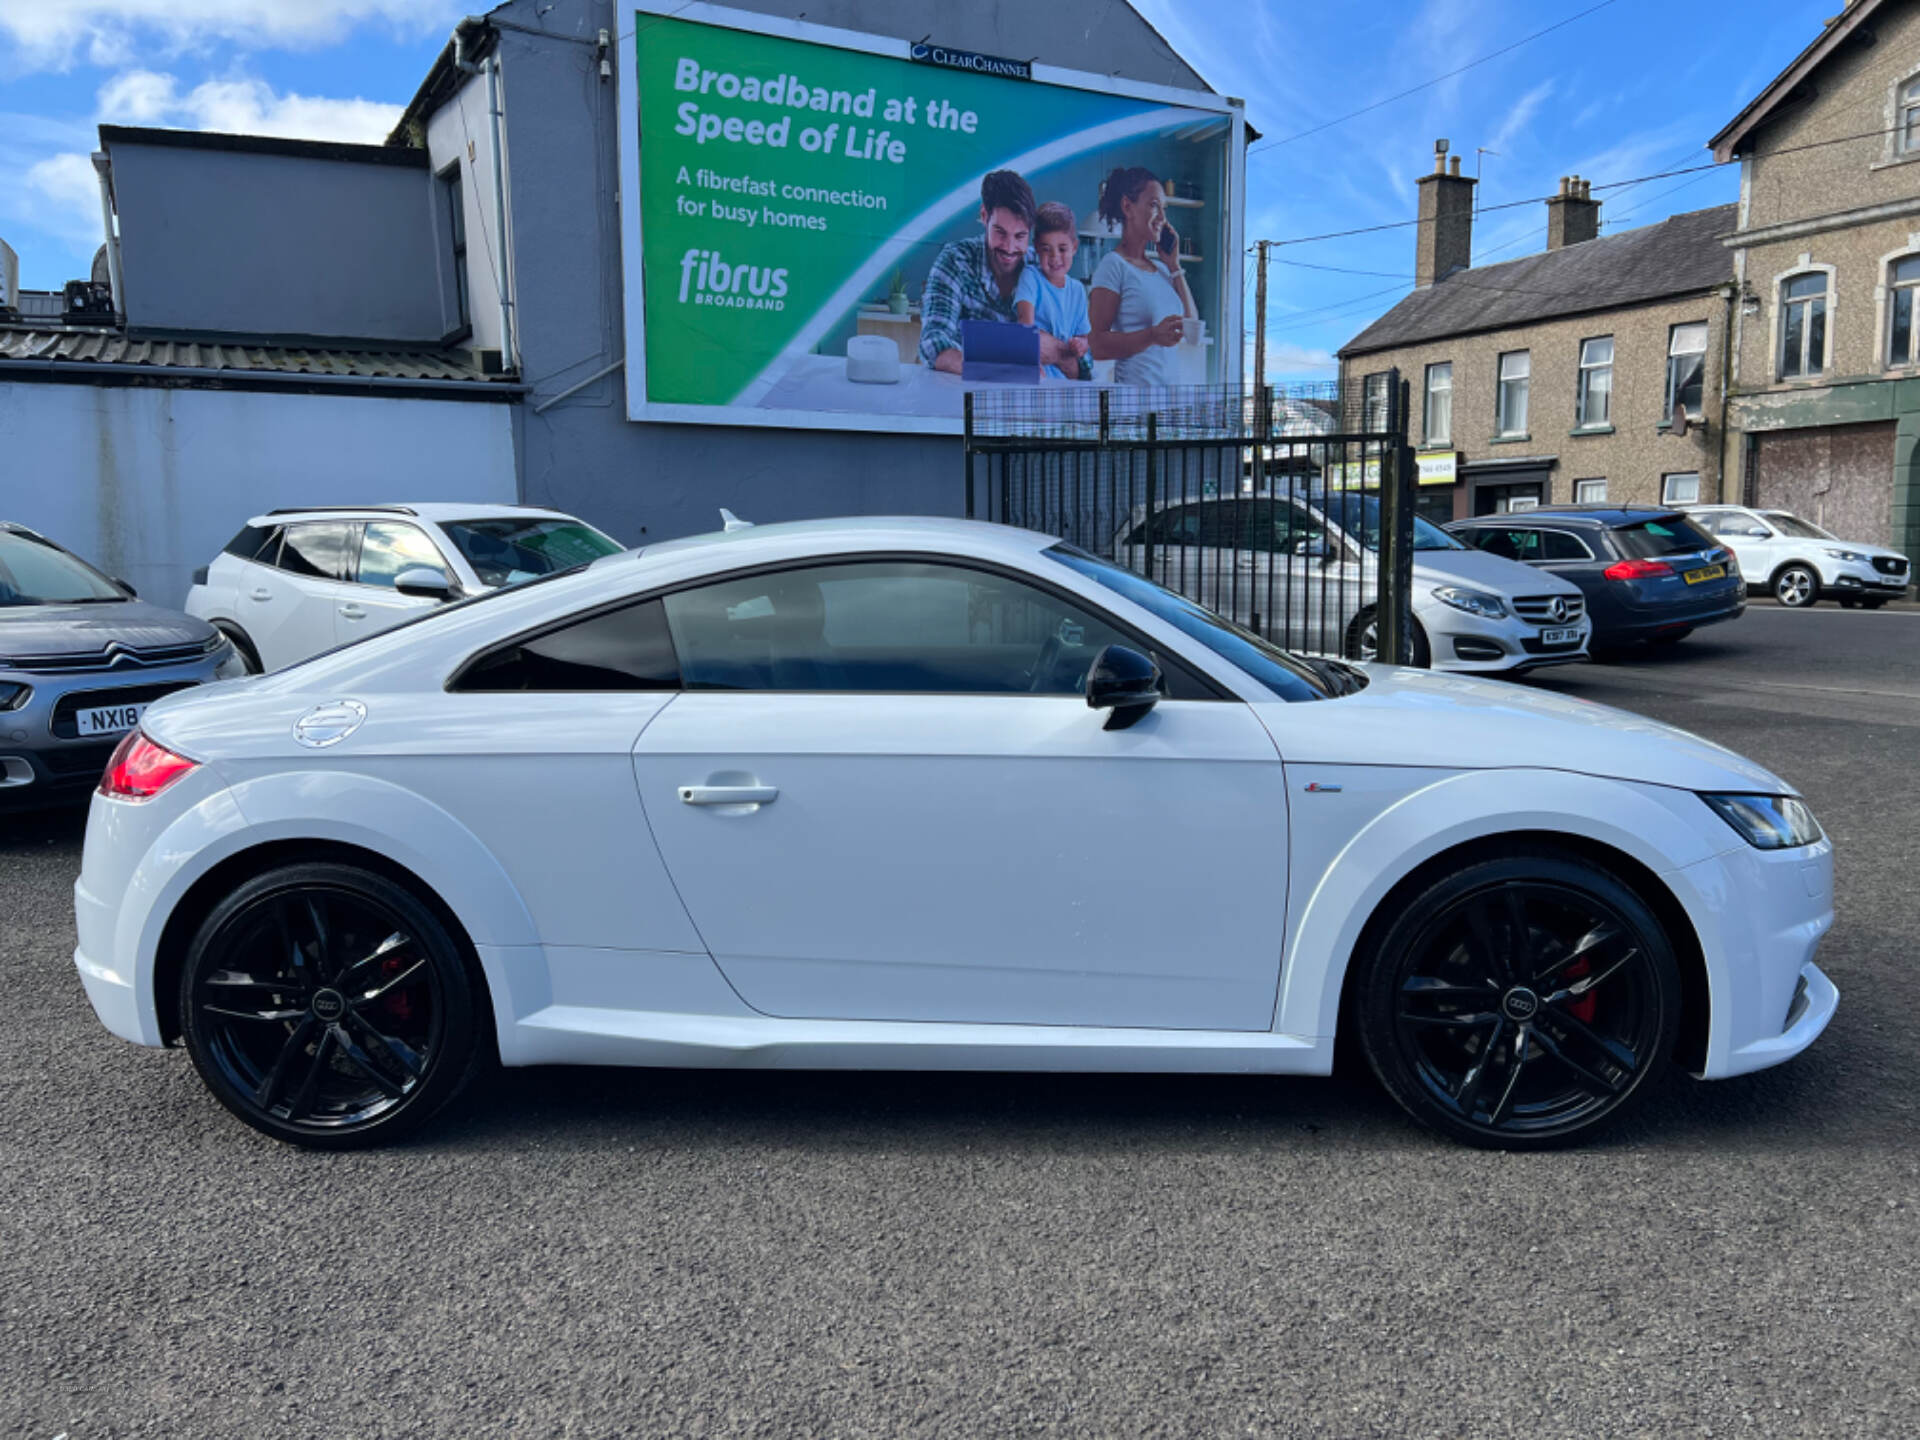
[[1428, 84]]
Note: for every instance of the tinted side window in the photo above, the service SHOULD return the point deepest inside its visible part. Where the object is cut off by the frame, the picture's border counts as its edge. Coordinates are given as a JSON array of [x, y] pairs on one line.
[[253, 542], [1558, 545], [317, 550], [1669, 536], [625, 649], [1507, 544], [387, 548], [884, 626]]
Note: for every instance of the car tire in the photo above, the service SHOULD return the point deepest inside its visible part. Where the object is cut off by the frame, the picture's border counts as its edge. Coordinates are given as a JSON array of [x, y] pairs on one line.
[[328, 1006], [1796, 586], [242, 645], [1871, 604], [1465, 1001], [1362, 640]]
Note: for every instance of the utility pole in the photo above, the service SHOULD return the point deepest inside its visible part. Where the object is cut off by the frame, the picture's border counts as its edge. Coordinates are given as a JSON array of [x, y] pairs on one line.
[[1260, 321]]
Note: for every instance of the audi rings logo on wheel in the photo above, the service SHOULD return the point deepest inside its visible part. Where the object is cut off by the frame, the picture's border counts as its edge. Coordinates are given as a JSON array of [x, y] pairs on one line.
[[1521, 1003]]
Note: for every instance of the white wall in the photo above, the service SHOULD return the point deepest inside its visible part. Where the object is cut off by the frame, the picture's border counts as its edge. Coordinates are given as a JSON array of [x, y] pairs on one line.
[[461, 131], [148, 484]]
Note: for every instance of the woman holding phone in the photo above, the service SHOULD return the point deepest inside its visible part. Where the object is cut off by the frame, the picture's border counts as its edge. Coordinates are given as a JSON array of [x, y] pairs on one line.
[[1139, 303]]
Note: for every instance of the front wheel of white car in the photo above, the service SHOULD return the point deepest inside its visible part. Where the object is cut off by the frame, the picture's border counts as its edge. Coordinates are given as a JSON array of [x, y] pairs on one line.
[[1796, 586], [1363, 640], [1520, 1002], [325, 1005]]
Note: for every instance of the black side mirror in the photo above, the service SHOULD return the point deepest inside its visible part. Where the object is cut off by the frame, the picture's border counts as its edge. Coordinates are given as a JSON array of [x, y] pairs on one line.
[[424, 582], [132, 594], [1125, 682]]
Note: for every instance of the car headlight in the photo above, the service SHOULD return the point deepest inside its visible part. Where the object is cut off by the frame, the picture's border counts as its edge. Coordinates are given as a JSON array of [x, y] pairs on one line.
[[1853, 555], [1768, 822], [1474, 602]]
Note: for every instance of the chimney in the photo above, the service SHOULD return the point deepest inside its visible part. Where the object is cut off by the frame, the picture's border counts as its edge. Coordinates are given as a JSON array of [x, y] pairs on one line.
[[1573, 215], [1445, 240]]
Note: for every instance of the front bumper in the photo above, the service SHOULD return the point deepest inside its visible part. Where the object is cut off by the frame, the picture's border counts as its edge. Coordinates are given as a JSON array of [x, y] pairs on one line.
[[1849, 579], [1472, 644]]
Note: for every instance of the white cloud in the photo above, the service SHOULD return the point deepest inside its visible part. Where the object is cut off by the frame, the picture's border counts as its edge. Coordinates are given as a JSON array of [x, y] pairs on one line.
[[242, 106], [53, 34], [66, 198], [1520, 116]]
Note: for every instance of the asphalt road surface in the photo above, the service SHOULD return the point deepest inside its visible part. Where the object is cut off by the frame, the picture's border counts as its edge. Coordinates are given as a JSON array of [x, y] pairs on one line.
[[611, 1253]]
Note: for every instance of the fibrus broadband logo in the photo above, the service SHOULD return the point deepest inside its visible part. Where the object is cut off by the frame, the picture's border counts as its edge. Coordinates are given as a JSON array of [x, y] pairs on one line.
[[707, 279]]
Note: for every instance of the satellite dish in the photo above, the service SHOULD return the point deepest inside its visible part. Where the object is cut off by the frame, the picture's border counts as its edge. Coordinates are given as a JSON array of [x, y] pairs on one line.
[[1680, 421], [100, 275]]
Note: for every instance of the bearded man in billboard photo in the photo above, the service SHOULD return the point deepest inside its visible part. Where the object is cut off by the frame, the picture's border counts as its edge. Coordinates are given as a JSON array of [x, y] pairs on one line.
[[975, 278]]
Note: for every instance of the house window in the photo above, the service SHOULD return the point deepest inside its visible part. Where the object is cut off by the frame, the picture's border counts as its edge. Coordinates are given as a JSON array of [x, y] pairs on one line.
[[1686, 368], [1905, 282], [1589, 492], [1680, 489], [457, 233], [1516, 368], [1594, 404], [1376, 403], [1440, 403], [1803, 325], [1907, 131]]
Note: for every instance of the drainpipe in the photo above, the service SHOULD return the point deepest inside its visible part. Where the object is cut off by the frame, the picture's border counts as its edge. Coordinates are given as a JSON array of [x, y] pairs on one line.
[[102, 171], [1730, 294], [503, 278]]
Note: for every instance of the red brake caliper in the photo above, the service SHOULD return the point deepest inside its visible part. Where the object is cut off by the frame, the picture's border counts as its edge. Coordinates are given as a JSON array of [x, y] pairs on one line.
[[1583, 1008], [400, 1005]]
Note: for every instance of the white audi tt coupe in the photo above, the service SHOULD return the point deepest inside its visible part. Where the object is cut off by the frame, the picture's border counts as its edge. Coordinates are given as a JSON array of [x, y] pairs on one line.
[[929, 794]]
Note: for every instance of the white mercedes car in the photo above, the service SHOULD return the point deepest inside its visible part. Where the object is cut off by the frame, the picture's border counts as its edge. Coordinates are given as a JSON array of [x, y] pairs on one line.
[[899, 794]]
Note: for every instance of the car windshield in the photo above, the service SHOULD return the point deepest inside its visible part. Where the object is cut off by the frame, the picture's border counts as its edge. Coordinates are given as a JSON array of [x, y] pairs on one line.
[[32, 572], [1288, 676], [1668, 535], [1359, 515], [509, 549], [1793, 525]]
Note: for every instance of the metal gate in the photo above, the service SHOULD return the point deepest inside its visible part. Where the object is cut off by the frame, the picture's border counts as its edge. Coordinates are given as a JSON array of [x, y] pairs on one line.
[[1288, 511]]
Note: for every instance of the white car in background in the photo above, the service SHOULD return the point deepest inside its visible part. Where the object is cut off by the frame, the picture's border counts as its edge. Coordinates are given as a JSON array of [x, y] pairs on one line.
[[1303, 570], [1800, 563], [295, 582], [901, 794]]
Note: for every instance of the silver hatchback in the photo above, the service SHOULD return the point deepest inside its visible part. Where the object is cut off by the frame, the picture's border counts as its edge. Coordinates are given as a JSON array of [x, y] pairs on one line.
[[80, 658]]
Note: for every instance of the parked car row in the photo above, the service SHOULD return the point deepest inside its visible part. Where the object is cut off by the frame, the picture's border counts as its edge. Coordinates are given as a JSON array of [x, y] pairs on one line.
[[82, 656]]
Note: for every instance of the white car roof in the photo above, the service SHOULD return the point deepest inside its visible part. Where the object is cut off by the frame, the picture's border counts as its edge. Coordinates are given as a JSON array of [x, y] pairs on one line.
[[433, 510], [876, 532]]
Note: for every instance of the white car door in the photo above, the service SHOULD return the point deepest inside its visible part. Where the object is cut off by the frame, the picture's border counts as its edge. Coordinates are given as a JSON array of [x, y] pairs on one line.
[[884, 797], [371, 604], [286, 599]]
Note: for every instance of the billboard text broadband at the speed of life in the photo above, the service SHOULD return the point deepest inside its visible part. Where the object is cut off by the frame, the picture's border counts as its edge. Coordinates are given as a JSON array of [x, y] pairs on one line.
[[820, 232]]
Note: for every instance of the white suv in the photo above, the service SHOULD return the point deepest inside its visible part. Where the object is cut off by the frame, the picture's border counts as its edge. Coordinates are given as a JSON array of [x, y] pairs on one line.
[[1802, 563], [295, 582]]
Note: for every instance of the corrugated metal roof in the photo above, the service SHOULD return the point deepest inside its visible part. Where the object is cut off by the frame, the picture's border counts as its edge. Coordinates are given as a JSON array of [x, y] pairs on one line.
[[1681, 255], [110, 347]]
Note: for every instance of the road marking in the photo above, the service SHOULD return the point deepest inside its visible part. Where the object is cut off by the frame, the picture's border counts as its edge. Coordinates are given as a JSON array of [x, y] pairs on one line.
[[1828, 689]]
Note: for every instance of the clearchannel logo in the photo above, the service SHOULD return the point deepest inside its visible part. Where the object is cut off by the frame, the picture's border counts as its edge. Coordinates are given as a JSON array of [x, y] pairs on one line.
[[707, 279]]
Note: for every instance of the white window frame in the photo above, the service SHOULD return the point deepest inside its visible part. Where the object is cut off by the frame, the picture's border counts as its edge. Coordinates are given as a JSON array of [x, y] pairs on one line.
[[1374, 406], [1442, 435], [1906, 116], [1885, 298], [1504, 430], [1667, 497], [1584, 494], [1778, 321], [1706, 346], [1583, 393]]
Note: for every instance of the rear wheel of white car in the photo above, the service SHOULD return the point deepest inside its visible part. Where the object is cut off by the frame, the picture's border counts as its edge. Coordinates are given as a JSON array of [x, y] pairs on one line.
[[1796, 586], [327, 1006], [1363, 640], [1520, 1002]]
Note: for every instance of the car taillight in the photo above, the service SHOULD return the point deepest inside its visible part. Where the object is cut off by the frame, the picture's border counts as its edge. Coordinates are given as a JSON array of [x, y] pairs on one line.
[[1637, 570], [140, 769]]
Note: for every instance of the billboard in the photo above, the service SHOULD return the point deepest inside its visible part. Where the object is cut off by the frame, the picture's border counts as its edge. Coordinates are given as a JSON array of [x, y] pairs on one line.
[[835, 230]]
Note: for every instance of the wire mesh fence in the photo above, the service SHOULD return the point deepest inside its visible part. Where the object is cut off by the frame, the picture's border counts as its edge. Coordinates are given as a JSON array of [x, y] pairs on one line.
[[1272, 508]]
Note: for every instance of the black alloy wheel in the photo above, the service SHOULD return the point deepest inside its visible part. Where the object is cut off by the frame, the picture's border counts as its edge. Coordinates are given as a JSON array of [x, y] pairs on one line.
[[326, 1006], [1520, 1002]]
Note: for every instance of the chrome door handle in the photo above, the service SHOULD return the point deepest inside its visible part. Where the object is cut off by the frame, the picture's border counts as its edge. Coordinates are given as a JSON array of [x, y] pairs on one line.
[[263, 594], [729, 794], [352, 612]]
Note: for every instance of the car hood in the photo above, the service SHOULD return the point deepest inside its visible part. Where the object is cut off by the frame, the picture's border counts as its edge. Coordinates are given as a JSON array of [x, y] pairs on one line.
[[32, 632], [1486, 572], [1462, 722]]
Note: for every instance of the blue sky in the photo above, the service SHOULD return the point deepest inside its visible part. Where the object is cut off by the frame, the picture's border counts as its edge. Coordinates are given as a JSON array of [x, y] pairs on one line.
[[1635, 88]]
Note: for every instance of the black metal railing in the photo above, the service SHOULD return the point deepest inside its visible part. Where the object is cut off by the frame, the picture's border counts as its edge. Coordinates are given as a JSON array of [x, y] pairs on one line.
[[1287, 510]]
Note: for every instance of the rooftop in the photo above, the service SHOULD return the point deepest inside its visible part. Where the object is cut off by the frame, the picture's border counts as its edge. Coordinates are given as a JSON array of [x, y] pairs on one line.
[[1682, 255]]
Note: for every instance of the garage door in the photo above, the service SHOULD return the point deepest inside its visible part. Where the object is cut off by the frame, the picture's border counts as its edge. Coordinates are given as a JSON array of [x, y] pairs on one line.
[[1840, 478]]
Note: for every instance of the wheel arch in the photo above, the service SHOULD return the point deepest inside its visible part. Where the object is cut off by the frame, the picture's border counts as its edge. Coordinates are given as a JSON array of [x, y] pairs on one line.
[[1631, 830]]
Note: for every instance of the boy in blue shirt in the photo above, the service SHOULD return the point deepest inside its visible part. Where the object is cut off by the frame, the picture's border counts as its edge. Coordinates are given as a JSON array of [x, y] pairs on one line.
[[1048, 296]]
